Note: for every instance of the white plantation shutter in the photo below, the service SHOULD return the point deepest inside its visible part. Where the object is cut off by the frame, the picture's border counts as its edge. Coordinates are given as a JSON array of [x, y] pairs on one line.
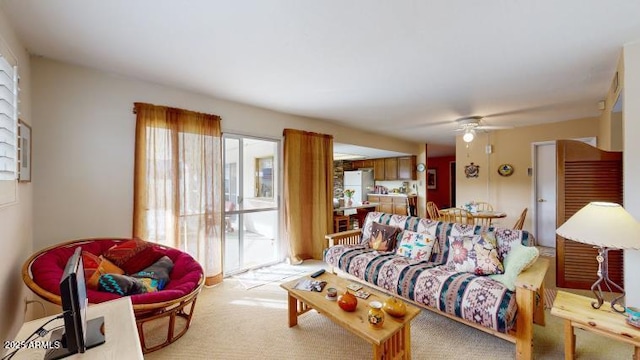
[[8, 120]]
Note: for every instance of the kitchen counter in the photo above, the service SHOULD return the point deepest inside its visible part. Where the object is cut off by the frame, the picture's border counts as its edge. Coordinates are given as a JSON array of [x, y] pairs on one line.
[[394, 194], [395, 203]]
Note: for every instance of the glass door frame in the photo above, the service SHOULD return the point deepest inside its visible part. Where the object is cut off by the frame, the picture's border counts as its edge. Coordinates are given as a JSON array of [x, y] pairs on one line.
[[239, 211]]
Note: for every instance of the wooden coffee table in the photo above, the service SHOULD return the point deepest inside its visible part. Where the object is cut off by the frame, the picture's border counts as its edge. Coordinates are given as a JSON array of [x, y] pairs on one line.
[[392, 341]]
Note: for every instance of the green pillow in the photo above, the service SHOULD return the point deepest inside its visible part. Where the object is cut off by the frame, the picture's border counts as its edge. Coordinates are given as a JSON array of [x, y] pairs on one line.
[[516, 261]]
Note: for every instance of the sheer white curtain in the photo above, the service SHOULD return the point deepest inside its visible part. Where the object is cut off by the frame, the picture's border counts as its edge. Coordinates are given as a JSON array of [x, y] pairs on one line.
[[178, 183]]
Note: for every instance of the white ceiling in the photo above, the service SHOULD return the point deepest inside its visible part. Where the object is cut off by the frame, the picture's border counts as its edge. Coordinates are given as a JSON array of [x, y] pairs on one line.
[[389, 66]]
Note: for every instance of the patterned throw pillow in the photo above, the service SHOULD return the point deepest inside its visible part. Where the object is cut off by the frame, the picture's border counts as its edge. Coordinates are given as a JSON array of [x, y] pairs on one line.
[[105, 267], [156, 276], [383, 237], [473, 254], [133, 255], [122, 285], [416, 246]]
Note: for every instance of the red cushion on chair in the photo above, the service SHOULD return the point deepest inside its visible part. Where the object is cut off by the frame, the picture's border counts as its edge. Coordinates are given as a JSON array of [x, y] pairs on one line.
[[47, 271]]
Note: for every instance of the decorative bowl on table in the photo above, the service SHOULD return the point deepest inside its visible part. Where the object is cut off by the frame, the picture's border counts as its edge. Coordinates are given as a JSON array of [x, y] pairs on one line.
[[633, 316]]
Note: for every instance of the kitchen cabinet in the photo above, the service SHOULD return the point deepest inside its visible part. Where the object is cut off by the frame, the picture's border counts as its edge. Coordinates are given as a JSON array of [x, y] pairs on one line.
[[378, 169], [390, 204], [407, 168], [357, 164], [391, 168], [395, 168]]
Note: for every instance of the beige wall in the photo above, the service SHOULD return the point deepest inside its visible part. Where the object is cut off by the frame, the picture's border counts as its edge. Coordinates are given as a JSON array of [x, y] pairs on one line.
[[15, 219], [510, 194], [609, 131], [631, 126], [85, 163]]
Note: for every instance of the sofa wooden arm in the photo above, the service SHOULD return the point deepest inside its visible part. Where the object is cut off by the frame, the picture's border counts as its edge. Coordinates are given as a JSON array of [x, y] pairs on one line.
[[530, 300], [349, 237]]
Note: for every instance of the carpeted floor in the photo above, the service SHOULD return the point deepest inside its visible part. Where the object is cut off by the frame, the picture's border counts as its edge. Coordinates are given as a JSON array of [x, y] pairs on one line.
[[231, 322], [258, 277]]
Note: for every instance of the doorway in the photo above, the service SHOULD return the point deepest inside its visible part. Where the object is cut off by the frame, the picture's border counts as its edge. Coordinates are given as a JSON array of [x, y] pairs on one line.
[[544, 206], [252, 207]]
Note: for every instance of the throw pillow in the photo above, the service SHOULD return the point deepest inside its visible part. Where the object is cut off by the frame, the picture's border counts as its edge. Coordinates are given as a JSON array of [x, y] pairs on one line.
[[158, 272], [90, 262], [517, 260], [133, 255], [383, 237], [473, 254], [122, 285], [415, 246], [105, 267]]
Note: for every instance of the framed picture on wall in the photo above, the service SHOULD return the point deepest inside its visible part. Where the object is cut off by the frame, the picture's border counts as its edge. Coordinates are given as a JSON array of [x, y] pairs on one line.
[[24, 152], [431, 179]]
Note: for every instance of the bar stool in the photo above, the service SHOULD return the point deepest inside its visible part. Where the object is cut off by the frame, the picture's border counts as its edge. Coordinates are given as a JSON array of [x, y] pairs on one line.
[[340, 223]]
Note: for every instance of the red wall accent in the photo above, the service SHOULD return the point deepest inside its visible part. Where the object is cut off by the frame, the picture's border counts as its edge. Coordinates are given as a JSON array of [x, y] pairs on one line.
[[441, 194]]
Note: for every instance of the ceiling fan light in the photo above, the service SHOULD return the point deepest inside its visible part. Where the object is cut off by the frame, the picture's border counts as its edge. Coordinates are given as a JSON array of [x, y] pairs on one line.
[[468, 136]]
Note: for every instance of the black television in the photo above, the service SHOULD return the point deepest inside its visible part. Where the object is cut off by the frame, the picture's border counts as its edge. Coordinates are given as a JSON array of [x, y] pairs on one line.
[[78, 334]]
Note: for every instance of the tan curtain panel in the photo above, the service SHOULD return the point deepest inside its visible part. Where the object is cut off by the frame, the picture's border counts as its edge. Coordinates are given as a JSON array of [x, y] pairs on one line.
[[178, 183], [308, 192]]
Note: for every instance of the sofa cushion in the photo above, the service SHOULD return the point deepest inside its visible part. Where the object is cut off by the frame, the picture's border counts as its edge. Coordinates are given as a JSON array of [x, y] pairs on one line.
[[473, 254], [383, 237], [519, 259], [478, 299], [415, 246]]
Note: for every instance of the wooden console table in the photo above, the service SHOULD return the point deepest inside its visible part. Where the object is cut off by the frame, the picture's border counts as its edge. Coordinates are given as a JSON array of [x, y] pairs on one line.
[[577, 312]]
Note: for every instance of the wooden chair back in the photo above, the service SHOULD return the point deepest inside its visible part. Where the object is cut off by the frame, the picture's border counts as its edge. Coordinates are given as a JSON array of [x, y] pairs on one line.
[[483, 206], [433, 211], [520, 223], [457, 215]]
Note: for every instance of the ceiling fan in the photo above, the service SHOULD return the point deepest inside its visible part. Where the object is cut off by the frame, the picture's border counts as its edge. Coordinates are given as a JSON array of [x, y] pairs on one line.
[[470, 124]]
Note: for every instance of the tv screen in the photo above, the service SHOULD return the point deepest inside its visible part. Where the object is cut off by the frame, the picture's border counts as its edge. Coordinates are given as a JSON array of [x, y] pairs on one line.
[[78, 334]]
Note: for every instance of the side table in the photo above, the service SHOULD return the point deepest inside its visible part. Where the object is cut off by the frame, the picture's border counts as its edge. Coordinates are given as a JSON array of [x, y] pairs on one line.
[[577, 312]]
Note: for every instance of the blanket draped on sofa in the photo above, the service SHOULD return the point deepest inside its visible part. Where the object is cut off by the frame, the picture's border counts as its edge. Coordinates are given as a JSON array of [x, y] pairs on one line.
[[431, 283]]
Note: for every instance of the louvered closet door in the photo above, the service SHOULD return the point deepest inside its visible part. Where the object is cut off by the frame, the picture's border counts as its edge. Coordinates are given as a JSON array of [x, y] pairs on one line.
[[585, 174]]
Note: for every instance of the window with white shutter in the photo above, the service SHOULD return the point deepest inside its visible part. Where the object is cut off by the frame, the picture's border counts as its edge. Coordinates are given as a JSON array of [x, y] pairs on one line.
[[8, 120]]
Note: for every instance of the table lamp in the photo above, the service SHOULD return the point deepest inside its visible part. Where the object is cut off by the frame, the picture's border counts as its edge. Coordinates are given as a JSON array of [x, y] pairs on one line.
[[607, 226]]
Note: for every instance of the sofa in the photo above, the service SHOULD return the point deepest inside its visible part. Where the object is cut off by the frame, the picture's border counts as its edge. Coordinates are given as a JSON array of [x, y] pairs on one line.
[[487, 277]]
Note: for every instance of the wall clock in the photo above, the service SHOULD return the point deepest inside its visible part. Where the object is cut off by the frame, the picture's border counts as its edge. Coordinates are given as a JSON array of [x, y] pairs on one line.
[[505, 169], [471, 170], [420, 167]]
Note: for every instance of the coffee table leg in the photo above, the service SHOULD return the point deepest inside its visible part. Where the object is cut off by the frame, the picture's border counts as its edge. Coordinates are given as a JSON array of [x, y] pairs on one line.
[[407, 340], [293, 311], [569, 341]]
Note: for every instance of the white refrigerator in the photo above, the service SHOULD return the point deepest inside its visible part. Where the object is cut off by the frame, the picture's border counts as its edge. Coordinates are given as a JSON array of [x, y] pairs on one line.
[[361, 181]]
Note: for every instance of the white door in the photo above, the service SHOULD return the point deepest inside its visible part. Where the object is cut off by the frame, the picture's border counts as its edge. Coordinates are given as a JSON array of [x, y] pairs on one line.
[[544, 215], [545, 188]]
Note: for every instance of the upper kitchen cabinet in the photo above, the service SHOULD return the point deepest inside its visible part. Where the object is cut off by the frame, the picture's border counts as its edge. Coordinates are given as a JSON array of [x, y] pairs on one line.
[[407, 168], [391, 168], [362, 164], [378, 169]]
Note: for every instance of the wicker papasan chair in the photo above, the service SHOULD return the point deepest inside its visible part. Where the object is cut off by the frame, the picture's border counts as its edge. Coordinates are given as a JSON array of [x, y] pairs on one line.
[[43, 270]]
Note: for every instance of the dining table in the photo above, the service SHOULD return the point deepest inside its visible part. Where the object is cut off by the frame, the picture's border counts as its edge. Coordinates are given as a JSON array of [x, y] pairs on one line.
[[358, 210]]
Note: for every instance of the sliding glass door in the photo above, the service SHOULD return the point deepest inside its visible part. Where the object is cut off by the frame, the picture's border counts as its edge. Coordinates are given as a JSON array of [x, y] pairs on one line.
[[252, 206]]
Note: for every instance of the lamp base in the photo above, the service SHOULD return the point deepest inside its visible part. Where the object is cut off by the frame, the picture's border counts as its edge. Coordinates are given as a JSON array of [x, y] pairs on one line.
[[603, 279]]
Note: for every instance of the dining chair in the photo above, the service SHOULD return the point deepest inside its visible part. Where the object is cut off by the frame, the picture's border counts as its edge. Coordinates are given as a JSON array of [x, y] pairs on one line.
[[433, 211], [483, 206], [518, 225], [456, 215]]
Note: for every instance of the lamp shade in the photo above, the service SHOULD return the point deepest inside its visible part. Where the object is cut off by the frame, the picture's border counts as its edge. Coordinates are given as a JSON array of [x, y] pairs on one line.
[[603, 224]]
